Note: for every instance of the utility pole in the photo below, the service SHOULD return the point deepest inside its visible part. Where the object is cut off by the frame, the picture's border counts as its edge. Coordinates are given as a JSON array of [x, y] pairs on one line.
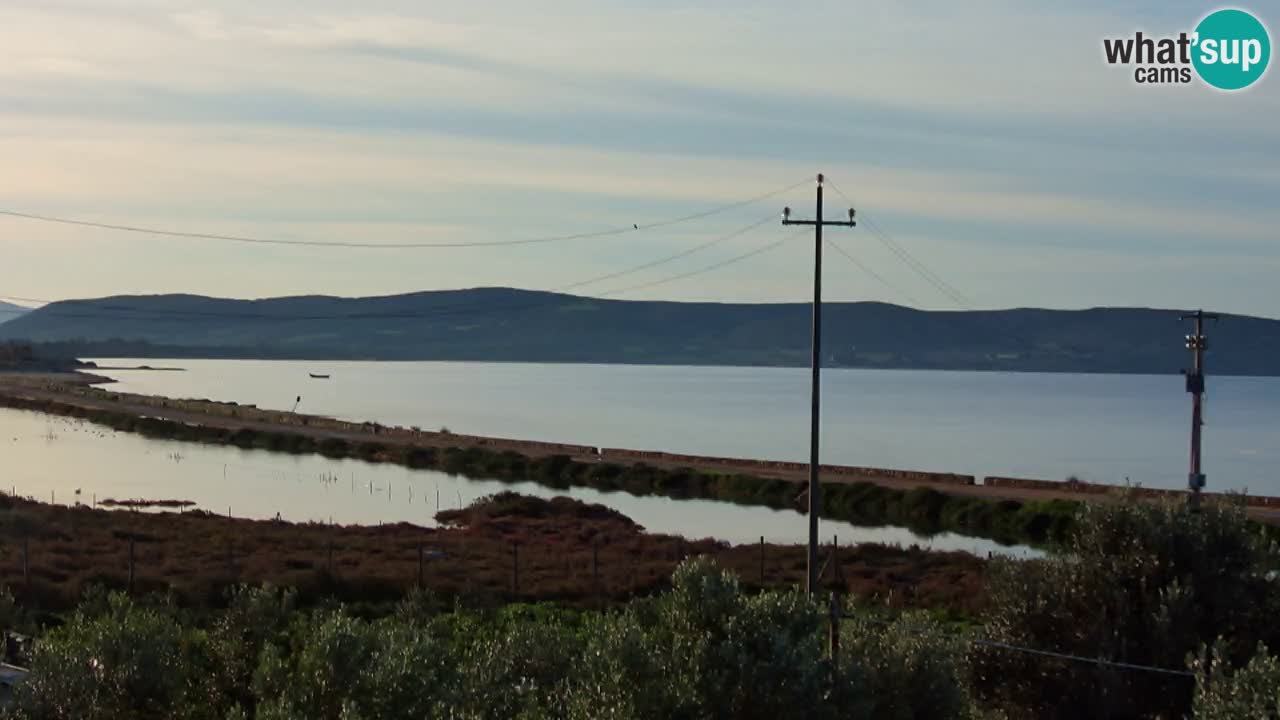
[[815, 491], [1197, 344]]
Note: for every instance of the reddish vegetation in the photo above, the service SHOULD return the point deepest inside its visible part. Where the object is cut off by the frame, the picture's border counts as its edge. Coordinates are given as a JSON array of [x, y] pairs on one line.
[[196, 554]]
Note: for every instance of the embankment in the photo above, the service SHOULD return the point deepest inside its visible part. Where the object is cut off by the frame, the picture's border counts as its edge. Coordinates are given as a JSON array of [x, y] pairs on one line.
[[925, 508], [1011, 510], [1086, 489]]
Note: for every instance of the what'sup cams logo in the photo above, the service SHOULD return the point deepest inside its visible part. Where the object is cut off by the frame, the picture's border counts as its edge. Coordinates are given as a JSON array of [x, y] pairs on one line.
[[1228, 50]]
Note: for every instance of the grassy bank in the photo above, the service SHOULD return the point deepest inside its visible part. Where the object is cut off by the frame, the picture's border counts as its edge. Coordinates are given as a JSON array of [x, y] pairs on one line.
[[924, 510]]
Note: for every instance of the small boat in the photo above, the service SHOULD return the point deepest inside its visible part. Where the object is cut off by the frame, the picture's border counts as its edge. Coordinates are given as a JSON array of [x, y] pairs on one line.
[[318, 376]]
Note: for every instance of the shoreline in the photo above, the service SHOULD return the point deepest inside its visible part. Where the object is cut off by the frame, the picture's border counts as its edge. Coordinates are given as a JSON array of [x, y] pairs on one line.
[[593, 363], [771, 483]]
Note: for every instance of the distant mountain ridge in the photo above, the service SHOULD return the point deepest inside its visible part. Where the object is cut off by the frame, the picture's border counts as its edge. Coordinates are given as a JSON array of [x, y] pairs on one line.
[[504, 324], [9, 311]]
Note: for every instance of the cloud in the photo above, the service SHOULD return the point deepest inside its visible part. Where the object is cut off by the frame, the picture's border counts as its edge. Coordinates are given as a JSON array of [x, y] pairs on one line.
[[992, 131]]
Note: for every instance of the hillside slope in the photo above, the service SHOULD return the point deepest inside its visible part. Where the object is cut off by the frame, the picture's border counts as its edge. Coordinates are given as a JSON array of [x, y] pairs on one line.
[[517, 325], [9, 311]]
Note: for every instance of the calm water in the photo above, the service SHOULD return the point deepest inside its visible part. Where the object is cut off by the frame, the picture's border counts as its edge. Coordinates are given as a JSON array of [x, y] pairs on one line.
[[1104, 428], [49, 457]]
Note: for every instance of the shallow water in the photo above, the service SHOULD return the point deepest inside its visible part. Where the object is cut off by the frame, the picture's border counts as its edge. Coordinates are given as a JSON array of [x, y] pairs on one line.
[[49, 458]]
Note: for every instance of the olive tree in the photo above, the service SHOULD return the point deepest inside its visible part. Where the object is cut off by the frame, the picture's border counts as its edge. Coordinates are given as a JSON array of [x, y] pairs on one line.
[[1137, 582], [129, 661]]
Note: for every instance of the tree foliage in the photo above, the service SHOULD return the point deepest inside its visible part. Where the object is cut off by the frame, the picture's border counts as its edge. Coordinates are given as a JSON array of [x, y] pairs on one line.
[[705, 650], [1137, 582], [1252, 691]]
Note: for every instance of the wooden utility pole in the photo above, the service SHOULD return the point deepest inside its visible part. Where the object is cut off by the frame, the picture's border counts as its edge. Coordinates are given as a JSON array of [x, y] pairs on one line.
[[761, 562], [815, 491], [1197, 344]]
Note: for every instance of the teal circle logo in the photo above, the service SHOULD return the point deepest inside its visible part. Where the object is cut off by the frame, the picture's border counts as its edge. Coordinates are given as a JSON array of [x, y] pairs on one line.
[[1231, 49]]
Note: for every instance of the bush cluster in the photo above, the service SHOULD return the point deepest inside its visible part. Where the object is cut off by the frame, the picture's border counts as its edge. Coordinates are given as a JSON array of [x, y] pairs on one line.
[[706, 649]]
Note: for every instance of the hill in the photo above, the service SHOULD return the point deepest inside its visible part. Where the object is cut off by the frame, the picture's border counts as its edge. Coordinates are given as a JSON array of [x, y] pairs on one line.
[[9, 311], [503, 324]]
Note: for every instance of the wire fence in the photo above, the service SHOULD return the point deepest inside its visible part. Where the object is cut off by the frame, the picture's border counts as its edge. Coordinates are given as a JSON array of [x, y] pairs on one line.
[[49, 555], [836, 614], [383, 563]]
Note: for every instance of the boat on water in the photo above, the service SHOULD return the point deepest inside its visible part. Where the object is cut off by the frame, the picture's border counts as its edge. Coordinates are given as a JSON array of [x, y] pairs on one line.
[[318, 376]]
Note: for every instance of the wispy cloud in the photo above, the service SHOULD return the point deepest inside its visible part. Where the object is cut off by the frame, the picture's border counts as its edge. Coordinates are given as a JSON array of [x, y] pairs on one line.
[[988, 133]]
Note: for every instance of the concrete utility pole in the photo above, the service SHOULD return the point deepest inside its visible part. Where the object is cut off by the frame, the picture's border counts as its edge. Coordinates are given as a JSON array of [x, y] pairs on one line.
[[1197, 344], [815, 491]]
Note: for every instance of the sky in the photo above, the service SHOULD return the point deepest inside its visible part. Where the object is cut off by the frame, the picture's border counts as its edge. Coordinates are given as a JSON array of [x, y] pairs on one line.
[[990, 140]]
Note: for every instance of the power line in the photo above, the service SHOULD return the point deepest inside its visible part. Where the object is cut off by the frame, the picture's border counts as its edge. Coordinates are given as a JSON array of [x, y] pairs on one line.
[[707, 269], [1083, 659], [443, 310], [393, 246], [723, 208], [921, 269], [1042, 653], [862, 266], [670, 258], [911, 261]]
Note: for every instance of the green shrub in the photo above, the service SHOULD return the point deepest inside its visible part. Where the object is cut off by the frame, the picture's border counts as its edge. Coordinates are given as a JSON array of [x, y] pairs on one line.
[[1135, 582], [127, 661], [334, 447], [910, 669], [1252, 691]]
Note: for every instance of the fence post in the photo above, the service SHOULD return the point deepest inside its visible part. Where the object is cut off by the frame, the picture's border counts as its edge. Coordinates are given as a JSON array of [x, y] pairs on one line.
[[329, 562], [515, 568], [419, 566], [26, 554], [833, 612], [130, 564], [466, 574], [595, 569], [761, 562]]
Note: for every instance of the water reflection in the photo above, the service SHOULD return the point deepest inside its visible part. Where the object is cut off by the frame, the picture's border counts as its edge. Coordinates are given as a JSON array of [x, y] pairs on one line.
[[51, 458]]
